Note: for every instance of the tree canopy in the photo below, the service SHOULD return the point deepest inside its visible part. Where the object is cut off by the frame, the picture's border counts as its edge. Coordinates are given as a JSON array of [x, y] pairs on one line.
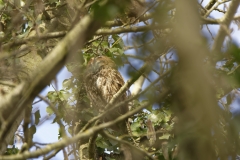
[[181, 78]]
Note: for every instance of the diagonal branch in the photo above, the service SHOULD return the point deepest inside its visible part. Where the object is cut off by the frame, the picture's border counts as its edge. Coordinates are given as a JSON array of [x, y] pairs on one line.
[[86, 134], [225, 24]]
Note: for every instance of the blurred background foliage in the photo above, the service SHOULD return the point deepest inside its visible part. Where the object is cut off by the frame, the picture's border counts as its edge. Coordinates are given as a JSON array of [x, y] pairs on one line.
[[143, 32]]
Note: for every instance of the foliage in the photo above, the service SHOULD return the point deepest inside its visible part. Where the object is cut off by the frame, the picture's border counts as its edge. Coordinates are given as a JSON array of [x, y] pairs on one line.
[[11, 151]]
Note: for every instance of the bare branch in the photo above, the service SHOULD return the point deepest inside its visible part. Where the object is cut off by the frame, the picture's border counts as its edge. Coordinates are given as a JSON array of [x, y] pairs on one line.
[[138, 85], [33, 38], [126, 29], [58, 116], [118, 30], [225, 23], [52, 154], [116, 23]]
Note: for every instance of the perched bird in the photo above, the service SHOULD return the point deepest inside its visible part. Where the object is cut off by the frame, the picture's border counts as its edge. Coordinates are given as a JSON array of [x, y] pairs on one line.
[[102, 81]]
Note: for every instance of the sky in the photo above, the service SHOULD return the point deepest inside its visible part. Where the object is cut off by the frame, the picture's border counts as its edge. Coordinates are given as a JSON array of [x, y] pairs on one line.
[[47, 132]]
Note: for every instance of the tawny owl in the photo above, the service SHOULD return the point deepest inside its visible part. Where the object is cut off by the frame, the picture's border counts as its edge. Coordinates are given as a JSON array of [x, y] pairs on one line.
[[102, 81]]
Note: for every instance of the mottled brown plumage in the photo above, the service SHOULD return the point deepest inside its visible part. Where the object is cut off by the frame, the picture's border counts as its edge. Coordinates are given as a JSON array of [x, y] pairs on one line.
[[102, 81]]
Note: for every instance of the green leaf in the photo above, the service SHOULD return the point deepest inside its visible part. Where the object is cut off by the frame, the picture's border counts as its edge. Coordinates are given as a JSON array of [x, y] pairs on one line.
[[154, 117], [67, 83], [135, 126], [235, 51], [11, 151], [149, 108], [229, 99], [118, 41], [113, 142], [54, 120], [52, 96], [220, 93], [134, 133], [116, 50], [64, 95], [32, 131], [37, 117], [167, 126], [49, 110], [165, 136], [103, 10], [102, 144], [105, 44]]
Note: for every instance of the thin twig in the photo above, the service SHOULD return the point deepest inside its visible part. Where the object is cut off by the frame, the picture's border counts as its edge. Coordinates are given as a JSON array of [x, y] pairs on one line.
[[57, 114], [216, 4], [52, 154], [139, 46], [210, 32], [145, 11]]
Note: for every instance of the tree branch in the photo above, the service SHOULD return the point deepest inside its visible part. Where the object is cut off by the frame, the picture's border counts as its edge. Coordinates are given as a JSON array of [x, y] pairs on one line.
[[126, 29], [138, 85], [116, 23], [225, 24], [85, 134], [98, 32]]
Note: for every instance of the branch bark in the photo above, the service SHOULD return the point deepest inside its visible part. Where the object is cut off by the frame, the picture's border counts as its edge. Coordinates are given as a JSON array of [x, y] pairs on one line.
[[126, 29], [194, 92], [217, 45]]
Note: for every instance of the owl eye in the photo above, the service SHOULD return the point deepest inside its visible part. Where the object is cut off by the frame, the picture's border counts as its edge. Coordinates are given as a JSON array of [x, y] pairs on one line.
[[99, 57], [96, 59]]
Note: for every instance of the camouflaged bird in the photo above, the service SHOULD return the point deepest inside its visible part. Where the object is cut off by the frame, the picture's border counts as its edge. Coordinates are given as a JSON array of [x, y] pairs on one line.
[[102, 82]]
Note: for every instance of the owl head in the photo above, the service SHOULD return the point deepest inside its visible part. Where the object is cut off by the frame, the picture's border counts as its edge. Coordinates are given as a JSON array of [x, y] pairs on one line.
[[97, 63]]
